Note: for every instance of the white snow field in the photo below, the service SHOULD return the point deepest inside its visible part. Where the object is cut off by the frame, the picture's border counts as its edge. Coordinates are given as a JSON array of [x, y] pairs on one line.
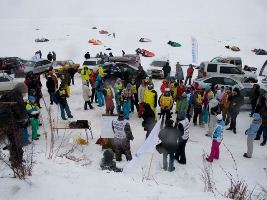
[[68, 25]]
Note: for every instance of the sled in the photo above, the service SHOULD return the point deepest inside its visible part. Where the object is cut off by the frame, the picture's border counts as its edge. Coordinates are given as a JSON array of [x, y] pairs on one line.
[[144, 40], [174, 44]]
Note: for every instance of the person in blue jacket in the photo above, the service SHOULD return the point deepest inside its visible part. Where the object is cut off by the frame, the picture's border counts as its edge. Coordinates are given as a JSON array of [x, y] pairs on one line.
[[217, 138], [251, 132], [99, 86]]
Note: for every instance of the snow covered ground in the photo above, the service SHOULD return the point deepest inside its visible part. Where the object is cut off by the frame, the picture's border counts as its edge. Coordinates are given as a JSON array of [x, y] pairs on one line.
[[67, 24]]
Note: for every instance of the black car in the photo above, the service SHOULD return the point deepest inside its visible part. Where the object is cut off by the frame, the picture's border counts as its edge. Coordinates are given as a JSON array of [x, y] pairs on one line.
[[12, 64], [117, 70]]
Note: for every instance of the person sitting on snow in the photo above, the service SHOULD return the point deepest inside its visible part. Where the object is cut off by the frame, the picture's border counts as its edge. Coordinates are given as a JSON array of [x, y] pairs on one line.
[[107, 162]]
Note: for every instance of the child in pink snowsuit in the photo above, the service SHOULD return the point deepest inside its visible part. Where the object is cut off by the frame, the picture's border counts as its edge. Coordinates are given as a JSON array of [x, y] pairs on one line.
[[217, 138]]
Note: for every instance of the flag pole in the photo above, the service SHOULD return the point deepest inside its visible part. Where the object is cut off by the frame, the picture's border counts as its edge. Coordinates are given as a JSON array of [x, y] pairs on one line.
[[149, 169]]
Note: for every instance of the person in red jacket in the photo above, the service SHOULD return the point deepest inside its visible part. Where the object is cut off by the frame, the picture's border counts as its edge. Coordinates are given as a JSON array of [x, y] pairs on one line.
[[190, 71], [164, 85]]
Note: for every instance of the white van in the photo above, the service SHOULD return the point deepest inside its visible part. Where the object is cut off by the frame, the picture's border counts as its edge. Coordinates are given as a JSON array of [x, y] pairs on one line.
[[237, 61], [211, 69]]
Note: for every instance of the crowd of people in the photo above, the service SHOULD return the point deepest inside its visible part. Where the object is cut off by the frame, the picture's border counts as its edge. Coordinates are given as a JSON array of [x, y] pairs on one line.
[[178, 100]]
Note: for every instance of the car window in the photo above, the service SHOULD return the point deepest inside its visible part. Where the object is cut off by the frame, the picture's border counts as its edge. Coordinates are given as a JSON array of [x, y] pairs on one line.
[[214, 80], [225, 70], [212, 68], [71, 62], [262, 91], [45, 62], [238, 62], [246, 92], [228, 81], [4, 79], [89, 62], [235, 70]]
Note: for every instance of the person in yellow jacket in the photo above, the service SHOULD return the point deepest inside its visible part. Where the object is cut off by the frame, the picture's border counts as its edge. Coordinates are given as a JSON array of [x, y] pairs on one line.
[[166, 103], [101, 71], [150, 97], [85, 73]]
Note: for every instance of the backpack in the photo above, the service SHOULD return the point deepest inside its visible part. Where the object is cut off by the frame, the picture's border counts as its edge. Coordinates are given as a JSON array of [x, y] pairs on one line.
[[166, 101]]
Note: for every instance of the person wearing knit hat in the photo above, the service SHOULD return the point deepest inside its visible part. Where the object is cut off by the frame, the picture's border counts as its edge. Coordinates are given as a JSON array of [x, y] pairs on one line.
[[213, 109], [236, 101], [217, 138]]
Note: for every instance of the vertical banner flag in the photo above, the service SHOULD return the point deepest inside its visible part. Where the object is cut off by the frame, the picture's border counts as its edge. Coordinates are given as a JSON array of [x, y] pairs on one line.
[[194, 51], [149, 146]]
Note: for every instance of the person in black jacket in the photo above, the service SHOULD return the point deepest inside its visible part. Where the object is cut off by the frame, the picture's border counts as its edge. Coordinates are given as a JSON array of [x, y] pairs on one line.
[[236, 101], [255, 94], [148, 118], [169, 137], [166, 69], [87, 55], [14, 119], [35, 88], [50, 56], [51, 86], [140, 75]]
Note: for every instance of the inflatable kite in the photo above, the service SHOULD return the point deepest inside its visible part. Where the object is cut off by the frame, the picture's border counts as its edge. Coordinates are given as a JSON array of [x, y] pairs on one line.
[[103, 32], [144, 40], [145, 52], [95, 42], [174, 44], [259, 51], [233, 48]]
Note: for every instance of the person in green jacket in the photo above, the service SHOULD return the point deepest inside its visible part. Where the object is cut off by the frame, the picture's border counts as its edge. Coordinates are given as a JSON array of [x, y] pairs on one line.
[[33, 112]]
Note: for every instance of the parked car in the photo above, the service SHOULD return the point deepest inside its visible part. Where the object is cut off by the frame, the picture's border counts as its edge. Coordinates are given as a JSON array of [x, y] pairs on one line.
[[214, 69], [246, 91], [131, 59], [155, 69], [37, 67], [12, 64], [58, 66], [7, 82], [91, 63], [117, 70], [237, 61], [219, 80]]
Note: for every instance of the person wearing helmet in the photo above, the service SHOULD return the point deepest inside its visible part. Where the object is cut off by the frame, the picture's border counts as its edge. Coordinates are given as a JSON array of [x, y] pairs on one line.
[[182, 107], [14, 118], [150, 97], [166, 103], [164, 85], [99, 86], [140, 75], [127, 98], [217, 138], [166, 69], [33, 112]]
